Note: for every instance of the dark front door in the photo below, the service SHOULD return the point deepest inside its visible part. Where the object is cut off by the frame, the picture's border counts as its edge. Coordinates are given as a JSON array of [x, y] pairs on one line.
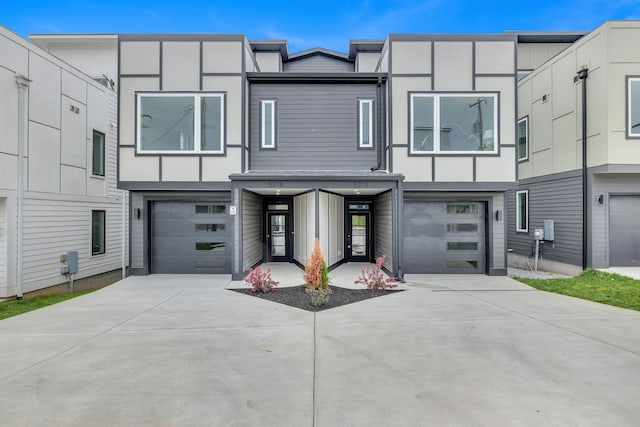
[[278, 247], [358, 236]]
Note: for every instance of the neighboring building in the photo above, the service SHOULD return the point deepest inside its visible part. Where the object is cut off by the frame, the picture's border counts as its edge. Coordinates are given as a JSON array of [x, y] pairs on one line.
[[550, 155], [237, 153], [63, 196]]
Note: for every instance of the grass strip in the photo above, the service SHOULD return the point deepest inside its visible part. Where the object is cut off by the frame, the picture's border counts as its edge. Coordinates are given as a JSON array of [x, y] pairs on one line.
[[594, 285], [15, 307]]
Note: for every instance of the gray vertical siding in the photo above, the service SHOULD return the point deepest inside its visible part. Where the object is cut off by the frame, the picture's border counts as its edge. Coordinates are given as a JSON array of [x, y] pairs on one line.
[[560, 199], [316, 127], [318, 64], [383, 228], [251, 229]]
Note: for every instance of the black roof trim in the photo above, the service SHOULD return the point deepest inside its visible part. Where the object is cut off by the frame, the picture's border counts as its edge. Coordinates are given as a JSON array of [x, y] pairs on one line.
[[318, 51], [356, 46], [547, 36], [181, 37], [280, 46], [329, 175], [258, 77]]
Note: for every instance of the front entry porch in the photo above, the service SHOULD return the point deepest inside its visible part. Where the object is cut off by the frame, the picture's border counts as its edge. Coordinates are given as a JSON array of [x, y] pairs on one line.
[[279, 219]]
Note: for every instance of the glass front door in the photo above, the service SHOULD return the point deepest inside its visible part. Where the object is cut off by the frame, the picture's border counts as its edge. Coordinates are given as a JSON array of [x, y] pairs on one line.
[[277, 241], [358, 236]]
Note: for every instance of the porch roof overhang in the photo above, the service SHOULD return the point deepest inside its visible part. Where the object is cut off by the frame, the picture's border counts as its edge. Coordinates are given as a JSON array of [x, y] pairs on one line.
[[316, 175], [341, 182]]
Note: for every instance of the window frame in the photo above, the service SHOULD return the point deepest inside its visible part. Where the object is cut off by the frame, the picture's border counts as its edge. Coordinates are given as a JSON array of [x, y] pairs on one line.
[[437, 96], [263, 104], [197, 122], [104, 232], [524, 120], [628, 131], [103, 153], [518, 210], [361, 104]]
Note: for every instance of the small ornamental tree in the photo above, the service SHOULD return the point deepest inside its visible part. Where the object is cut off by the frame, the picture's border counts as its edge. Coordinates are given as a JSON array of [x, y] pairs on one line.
[[316, 277], [315, 274], [260, 280], [373, 277]]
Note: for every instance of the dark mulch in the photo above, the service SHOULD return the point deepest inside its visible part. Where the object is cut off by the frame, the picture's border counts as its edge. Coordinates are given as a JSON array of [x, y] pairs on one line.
[[296, 297]]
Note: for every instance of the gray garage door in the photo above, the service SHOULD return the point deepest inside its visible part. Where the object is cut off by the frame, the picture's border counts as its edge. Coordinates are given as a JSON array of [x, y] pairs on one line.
[[624, 230], [190, 237], [444, 237]]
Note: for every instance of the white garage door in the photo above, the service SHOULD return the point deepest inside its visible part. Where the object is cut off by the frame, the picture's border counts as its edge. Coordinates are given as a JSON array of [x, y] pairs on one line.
[[444, 237]]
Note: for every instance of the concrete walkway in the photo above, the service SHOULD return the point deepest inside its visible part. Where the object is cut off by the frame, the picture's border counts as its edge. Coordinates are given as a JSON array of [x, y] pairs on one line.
[[168, 350]]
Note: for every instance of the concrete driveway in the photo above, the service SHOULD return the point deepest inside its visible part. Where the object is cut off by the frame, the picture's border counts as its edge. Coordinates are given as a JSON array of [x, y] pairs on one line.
[[451, 350]]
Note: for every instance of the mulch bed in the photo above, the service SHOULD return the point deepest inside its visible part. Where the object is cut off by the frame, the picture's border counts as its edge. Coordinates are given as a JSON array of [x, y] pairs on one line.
[[296, 297]]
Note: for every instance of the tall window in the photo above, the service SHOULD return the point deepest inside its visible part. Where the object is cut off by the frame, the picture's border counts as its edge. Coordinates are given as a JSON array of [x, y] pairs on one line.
[[180, 123], [268, 124], [464, 122], [98, 153], [633, 107], [522, 210], [98, 232], [365, 127], [523, 139]]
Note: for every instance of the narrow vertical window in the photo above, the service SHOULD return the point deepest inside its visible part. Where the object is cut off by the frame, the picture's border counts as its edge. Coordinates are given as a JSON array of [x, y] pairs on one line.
[[365, 130], [268, 119], [633, 107], [98, 153], [98, 232], [522, 210], [523, 139]]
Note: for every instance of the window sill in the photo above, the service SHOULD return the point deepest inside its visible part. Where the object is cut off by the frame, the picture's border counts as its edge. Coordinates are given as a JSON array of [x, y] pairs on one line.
[[100, 177]]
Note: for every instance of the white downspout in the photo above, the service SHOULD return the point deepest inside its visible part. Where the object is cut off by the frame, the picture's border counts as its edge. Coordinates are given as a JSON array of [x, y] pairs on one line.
[[23, 129]]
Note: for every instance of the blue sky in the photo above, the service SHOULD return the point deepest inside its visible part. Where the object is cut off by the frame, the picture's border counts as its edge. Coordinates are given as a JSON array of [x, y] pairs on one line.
[[306, 24]]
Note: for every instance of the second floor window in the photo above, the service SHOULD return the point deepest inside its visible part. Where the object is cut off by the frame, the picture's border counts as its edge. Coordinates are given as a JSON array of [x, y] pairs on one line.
[[633, 107], [466, 123], [268, 123], [180, 123], [365, 127], [97, 153], [523, 138]]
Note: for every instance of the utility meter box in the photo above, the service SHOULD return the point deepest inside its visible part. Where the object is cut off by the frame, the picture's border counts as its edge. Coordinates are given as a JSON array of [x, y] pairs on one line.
[[538, 234], [72, 261], [549, 227]]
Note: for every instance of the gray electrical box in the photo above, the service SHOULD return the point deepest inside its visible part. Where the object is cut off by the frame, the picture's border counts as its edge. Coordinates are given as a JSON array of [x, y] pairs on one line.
[[72, 261], [549, 227]]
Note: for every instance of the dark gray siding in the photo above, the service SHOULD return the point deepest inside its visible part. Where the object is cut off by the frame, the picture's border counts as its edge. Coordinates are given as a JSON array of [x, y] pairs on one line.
[[318, 64], [382, 228], [559, 199], [251, 229], [316, 127]]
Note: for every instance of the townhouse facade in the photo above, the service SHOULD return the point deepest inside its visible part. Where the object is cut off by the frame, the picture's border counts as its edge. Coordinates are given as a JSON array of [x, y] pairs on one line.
[[58, 169], [235, 152], [578, 157]]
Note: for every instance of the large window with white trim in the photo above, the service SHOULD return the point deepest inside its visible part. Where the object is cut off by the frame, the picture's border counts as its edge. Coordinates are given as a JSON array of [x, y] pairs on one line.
[[522, 210], [268, 123], [453, 123], [180, 123], [365, 127], [523, 139], [633, 107]]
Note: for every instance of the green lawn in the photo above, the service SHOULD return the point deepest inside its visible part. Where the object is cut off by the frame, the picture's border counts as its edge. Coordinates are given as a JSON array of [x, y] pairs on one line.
[[15, 307], [594, 285]]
